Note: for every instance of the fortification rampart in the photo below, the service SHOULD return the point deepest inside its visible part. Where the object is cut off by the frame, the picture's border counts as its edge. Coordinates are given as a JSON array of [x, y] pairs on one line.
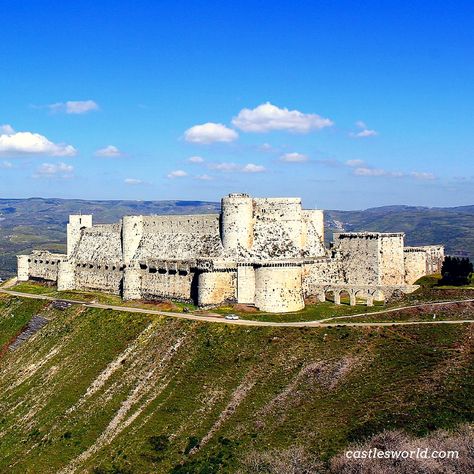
[[267, 252]]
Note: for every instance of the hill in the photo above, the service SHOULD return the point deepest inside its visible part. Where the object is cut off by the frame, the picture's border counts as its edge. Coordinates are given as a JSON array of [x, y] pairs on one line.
[[451, 226], [105, 392], [41, 223]]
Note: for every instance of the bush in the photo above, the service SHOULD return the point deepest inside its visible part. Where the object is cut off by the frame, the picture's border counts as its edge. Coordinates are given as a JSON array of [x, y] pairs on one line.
[[456, 271]]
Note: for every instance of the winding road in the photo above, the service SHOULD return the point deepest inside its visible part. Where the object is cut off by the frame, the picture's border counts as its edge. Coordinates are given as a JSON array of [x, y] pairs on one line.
[[328, 322]]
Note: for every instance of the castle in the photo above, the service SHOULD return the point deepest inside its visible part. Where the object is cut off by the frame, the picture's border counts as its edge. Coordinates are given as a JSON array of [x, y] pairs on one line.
[[267, 252]]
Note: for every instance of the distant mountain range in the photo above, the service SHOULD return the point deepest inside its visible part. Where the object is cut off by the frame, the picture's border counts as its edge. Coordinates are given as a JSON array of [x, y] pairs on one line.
[[41, 223]]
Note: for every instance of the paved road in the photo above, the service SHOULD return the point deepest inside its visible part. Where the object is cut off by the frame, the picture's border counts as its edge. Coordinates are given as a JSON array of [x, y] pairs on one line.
[[245, 322]]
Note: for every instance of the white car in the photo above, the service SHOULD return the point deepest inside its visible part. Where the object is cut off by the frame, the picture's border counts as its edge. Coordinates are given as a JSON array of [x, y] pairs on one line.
[[232, 317]]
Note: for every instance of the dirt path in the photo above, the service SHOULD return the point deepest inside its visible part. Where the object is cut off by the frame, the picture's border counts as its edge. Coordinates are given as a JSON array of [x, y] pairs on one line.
[[328, 322]]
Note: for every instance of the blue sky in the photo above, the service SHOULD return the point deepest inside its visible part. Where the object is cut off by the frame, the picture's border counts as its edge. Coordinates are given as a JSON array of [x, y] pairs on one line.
[[346, 104]]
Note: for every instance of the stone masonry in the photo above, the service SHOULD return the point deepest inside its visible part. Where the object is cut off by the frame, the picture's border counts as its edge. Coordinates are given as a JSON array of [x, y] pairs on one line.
[[267, 252]]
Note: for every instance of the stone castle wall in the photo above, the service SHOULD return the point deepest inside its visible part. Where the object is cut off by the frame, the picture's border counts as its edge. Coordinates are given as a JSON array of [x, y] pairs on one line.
[[370, 257], [415, 264], [267, 252], [40, 265]]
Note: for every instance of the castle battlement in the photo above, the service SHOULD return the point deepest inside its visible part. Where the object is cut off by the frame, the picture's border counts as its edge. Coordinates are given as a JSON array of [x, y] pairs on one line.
[[267, 252]]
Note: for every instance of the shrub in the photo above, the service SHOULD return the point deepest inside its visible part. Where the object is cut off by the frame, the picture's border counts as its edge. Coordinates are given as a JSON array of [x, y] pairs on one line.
[[456, 271]]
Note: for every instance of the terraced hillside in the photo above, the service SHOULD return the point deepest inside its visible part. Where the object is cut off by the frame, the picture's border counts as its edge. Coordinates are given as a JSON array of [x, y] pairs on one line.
[[107, 392]]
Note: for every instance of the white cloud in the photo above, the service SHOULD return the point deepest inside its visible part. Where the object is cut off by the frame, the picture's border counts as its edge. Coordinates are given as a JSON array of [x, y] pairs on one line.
[[132, 181], [74, 107], [355, 163], [204, 177], [252, 168], [229, 167], [225, 166], [266, 147], [369, 171], [422, 175], [294, 157], [177, 174], [195, 159], [364, 132], [54, 170], [364, 171], [110, 151], [28, 143], [267, 117], [209, 133], [6, 130], [6, 165]]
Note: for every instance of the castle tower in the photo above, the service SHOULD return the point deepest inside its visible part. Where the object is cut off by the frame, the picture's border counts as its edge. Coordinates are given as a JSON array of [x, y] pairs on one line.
[[77, 222], [278, 288], [237, 221], [132, 232], [23, 267]]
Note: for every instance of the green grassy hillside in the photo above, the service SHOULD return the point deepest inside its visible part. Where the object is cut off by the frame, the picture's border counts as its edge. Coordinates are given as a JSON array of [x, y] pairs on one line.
[[107, 392]]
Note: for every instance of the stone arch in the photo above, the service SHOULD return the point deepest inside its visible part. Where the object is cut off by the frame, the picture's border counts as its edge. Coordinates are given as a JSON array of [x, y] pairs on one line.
[[333, 294], [346, 294]]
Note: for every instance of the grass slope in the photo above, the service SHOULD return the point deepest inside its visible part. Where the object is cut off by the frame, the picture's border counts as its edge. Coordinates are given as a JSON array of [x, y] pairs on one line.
[[100, 391]]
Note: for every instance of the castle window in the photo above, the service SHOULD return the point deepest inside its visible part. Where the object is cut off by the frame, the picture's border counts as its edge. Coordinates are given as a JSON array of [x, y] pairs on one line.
[[152, 270], [182, 272], [143, 266], [162, 271]]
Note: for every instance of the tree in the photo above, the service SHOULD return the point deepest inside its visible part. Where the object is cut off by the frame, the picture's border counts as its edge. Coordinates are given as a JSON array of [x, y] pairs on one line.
[[456, 271]]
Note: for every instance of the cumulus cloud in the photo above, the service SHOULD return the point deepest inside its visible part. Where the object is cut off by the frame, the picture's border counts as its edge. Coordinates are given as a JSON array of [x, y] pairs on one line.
[[224, 166], [110, 151], [294, 158], [266, 147], [132, 181], [177, 174], [210, 133], [370, 171], [364, 131], [28, 143], [355, 163], [6, 130], [267, 117], [365, 171], [204, 177], [74, 107], [6, 165], [195, 159], [54, 170], [252, 168], [229, 167]]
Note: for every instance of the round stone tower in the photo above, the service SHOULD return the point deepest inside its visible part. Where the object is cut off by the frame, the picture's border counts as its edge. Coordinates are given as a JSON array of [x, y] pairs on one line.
[[237, 221], [278, 288]]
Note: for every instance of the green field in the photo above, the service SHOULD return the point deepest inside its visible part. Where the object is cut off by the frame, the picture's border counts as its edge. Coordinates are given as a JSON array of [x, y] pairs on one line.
[[108, 392]]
